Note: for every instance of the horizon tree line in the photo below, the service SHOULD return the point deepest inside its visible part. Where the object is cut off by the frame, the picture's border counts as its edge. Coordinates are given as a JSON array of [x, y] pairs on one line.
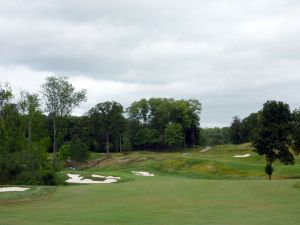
[[157, 124], [29, 130]]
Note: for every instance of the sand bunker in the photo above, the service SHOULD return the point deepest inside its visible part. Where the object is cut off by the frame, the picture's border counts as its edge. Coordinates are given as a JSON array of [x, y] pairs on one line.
[[142, 173], [104, 177], [11, 189], [241, 156], [78, 179]]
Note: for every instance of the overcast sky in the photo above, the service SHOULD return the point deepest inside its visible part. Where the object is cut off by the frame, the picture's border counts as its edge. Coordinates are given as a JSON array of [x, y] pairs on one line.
[[230, 55]]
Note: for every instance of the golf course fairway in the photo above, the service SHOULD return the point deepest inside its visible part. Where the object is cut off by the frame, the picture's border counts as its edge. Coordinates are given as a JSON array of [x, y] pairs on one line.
[[187, 189], [162, 200]]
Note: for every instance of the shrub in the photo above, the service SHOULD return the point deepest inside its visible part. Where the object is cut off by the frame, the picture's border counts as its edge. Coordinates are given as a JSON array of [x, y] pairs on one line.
[[47, 177], [78, 151], [64, 152]]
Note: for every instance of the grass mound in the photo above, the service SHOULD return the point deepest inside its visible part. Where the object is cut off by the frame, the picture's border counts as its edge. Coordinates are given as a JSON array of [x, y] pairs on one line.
[[34, 193], [217, 163], [205, 168]]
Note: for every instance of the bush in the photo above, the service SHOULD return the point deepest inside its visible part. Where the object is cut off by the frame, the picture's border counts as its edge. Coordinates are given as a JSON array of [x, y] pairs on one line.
[[64, 152], [48, 177], [78, 151], [42, 177]]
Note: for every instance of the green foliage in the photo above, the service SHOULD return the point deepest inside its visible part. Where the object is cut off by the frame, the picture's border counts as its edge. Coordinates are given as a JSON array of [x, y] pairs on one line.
[[5, 96], [236, 130], [147, 137], [48, 177], [249, 127], [23, 141], [296, 131], [60, 100], [214, 136], [78, 151], [149, 119], [64, 152], [272, 140], [243, 131], [60, 96], [173, 135], [126, 145], [107, 122]]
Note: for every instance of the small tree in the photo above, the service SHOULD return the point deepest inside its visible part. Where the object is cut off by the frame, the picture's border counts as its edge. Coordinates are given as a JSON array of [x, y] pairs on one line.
[[272, 139], [60, 100]]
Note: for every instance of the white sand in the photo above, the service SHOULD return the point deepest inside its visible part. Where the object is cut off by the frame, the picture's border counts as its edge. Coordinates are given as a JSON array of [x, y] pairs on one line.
[[241, 156], [10, 189], [110, 177], [98, 176], [142, 173], [104, 177], [78, 179], [206, 149]]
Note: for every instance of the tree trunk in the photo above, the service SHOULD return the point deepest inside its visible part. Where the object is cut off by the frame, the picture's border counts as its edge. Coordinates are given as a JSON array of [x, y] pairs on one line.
[[116, 145], [29, 133], [270, 175], [269, 169], [184, 141], [54, 145], [107, 144], [193, 137], [120, 140]]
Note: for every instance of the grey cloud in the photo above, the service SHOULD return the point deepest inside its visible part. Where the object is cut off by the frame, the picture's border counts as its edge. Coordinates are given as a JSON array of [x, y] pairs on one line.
[[232, 55]]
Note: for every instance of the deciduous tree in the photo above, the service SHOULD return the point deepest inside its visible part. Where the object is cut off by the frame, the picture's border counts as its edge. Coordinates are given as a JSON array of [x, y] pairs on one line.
[[60, 99], [272, 139]]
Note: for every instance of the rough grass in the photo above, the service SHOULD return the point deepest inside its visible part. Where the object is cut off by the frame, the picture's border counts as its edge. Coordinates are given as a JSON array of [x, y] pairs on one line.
[[297, 185], [217, 163]]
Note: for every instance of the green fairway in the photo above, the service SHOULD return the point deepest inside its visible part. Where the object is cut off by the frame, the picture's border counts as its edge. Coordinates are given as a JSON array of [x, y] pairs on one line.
[[163, 200], [178, 194]]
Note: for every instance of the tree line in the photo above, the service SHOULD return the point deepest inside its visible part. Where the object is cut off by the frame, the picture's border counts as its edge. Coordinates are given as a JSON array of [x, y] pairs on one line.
[[31, 128]]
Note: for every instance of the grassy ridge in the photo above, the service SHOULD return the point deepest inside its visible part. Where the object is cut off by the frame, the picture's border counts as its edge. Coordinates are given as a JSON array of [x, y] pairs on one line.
[[218, 163]]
